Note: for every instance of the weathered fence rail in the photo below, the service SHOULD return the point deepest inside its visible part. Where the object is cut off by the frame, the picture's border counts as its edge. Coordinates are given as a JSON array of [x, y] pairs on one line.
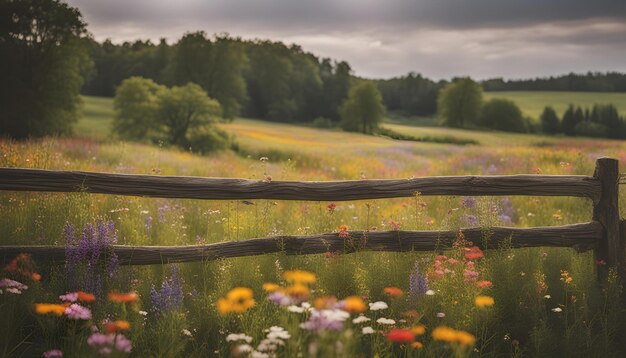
[[602, 234]]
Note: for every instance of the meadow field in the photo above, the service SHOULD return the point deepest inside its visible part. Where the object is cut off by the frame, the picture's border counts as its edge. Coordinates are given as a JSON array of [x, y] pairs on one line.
[[532, 103], [459, 302]]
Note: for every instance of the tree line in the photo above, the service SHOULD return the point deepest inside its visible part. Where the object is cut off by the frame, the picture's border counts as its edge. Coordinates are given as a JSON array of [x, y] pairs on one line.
[[601, 121], [589, 82]]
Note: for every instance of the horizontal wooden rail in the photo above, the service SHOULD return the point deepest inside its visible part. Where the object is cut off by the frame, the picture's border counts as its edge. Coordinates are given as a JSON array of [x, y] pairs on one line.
[[227, 188], [579, 236]]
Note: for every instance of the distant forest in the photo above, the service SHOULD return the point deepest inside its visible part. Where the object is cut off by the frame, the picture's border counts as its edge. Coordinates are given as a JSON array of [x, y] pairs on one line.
[[279, 82]]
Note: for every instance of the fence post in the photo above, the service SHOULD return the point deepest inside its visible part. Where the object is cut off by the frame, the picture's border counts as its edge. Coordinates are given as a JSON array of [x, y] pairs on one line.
[[606, 211]]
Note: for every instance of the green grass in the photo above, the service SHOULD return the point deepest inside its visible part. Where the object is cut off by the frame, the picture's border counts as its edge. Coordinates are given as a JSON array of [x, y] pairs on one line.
[[96, 117], [532, 103]]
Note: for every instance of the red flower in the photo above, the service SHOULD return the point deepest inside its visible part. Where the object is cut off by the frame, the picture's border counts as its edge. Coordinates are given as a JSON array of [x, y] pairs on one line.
[[402, 336], [474, 253], [394, 291], [331, 207]]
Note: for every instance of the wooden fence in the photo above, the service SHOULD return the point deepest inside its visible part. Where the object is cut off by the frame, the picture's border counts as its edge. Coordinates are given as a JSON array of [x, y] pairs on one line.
[[602, 234]]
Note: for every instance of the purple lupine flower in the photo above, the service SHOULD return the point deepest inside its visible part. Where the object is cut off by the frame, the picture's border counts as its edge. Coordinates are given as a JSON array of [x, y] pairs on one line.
[[76, 311], [170, 296], [113, 264], [418, 283]]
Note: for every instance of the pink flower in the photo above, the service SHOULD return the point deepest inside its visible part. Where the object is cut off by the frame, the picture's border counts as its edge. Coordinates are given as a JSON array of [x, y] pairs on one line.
[[70, 297], [53, 353], [76, 311]]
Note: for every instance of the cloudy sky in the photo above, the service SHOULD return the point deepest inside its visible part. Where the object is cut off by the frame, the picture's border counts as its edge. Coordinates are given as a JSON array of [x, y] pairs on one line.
[[385, 38]]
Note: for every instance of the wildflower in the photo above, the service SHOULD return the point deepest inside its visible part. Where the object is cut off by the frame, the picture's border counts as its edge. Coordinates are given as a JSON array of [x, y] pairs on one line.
[[76, 311], [378, 305], [383, 320], [450, 335], [429, 293], [402, 336], [242, 349], [298, 292], [116, 326], [600, 262], [326, 320], [394, 291], [12, 286], [418, 284], [295, 309], [270, 287], [331, 207], [45, 308], [354, 304], [418, 330], [237, 300], [468, 202], [299, 276], [470, 275], [483, 284], [235, 337], [143, 313], [85, 296], [276, 332], [325, 302], [515, 342], [557, 309], [53, 353], [343, 231], [367, 330], [484, 301], [169, 297], [280, 298], [547, 297], [417, 345], [473, 253], [119, 297], [440, 315], [360, 319]]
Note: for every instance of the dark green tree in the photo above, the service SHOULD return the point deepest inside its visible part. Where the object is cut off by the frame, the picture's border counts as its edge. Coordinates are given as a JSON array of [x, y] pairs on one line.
[[503, 114], [363, 110], [569, 121], [43, 61], [459, 103], [216, 65], [549, 121]]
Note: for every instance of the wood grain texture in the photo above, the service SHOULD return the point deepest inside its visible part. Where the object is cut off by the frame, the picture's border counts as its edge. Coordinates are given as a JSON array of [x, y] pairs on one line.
[[606, 212], [231, 189], [579, 236]]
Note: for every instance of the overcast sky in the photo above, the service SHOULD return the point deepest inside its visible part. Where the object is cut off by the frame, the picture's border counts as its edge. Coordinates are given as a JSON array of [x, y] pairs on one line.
[[385, 38]]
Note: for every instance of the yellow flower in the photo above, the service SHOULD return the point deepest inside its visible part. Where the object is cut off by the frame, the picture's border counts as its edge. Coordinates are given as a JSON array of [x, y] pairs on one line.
[[443, 333], [484, 301], [298, 290], [354, 304], [45, 308], [299, 276], [451, 335], [237, 300], [270, 287], [418, 330]]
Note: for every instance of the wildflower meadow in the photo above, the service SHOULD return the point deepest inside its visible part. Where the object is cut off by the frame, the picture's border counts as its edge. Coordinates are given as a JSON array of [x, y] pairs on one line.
[[460, 301]]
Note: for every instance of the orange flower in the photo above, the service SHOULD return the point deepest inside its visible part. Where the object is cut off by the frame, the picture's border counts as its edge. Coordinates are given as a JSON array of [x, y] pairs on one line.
[[325, 302], [36, 277], [394, 291], [45, 308], [417, 345], [270, 287], [116, 326], [123, 297], [354, 304], [237, 300], [85, 297], [483, 284], [402, 336], [473, 253], [299, 276], [418, 330]]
